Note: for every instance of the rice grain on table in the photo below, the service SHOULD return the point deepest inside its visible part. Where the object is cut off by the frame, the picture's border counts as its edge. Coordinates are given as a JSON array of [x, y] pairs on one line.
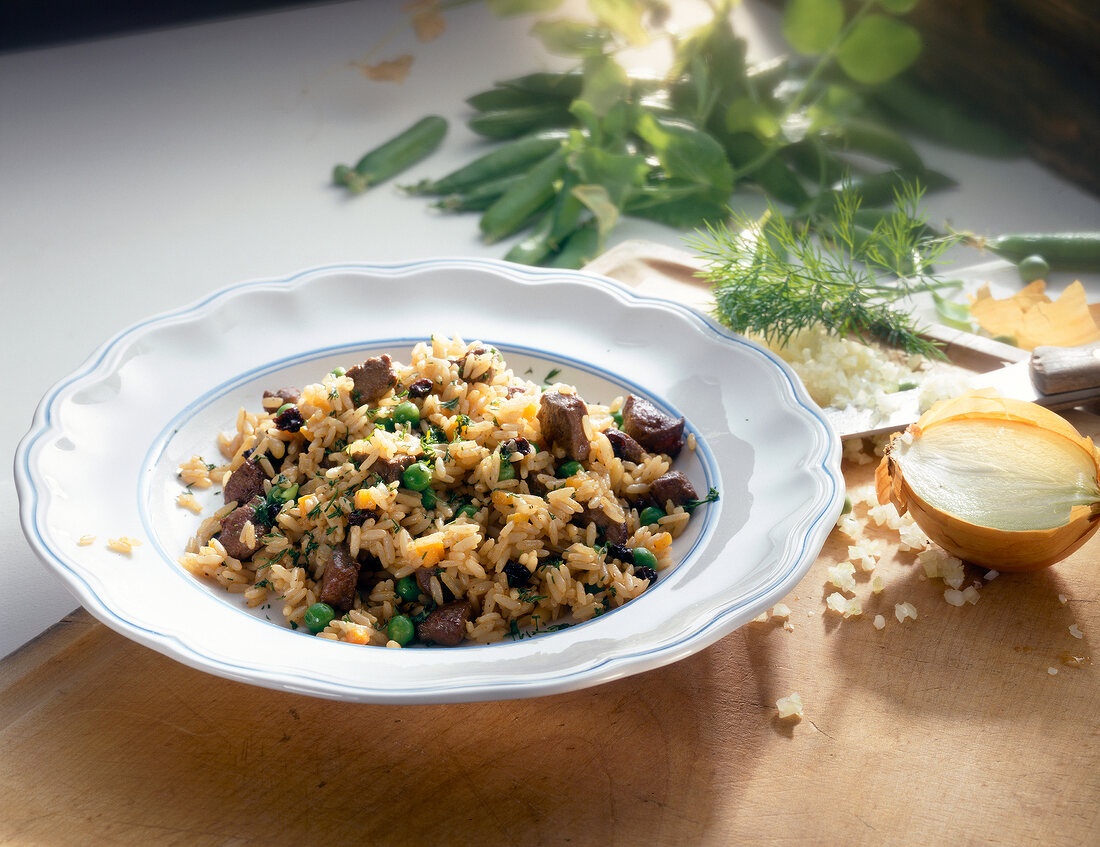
[[524, 521]]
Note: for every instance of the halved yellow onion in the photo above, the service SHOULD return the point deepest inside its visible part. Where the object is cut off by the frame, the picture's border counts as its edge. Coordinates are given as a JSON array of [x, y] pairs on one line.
[[999, 482]]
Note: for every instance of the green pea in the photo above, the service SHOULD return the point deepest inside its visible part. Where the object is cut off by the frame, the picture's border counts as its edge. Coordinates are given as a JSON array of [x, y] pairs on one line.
[[400, 629], [417, 476], [283, 408], [568, 469], [318, 616], [1033, 267], [405, 412], [469, 510], [407, 589], [338, 371], [506, 470], [285, 493], [650, 515], [618, 418], [428, 499], [644, 558], [847, 505]]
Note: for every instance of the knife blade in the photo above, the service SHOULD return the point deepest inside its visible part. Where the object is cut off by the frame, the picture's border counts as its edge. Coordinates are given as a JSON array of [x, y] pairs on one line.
[[1055, 377]]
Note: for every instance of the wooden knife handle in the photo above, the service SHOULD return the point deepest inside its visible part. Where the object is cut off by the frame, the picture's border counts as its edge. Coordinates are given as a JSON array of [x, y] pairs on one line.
[[1058, 369]]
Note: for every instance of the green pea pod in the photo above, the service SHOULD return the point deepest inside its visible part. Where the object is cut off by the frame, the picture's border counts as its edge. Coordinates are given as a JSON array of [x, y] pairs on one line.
[[513, 209], [526, 90], [536, 246], [942, 120], [1063, 251], [565, 84], [815, 163], [480, 197], [879, 142], [579, 249], [494, 99], [510, 123], [498, 162], [399, 153], [880, 189], [567, 211]]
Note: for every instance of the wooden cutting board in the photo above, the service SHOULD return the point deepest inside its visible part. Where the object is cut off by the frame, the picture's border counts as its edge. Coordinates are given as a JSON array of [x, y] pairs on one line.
[[950, 729]]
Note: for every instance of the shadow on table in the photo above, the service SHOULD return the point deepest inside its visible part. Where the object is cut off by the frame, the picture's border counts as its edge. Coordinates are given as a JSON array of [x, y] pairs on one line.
[[140, 748], [1019, 627]]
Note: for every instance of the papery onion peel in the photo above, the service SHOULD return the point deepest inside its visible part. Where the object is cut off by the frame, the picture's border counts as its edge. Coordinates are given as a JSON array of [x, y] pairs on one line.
[[999, 482]]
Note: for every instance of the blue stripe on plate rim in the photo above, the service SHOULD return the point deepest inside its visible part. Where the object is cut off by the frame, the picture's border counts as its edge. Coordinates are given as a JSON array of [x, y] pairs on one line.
[[820, 523]]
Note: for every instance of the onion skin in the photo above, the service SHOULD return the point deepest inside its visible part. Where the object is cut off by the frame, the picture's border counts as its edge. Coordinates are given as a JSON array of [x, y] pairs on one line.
[[1002, 550]]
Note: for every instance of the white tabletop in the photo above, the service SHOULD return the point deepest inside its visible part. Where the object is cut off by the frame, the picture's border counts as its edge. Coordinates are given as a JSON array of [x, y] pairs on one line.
[[143, 172]]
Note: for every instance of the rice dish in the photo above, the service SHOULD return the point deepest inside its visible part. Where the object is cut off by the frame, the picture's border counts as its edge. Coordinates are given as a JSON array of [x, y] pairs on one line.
[[442, 501]]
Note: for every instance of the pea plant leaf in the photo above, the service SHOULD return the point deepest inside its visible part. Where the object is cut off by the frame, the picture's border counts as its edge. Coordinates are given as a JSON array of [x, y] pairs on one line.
[[952, 313], [692, 210], [747, 115], [570, 38], [617, 173], [506, 8], [811, 26], [624, 17], [878, 48], [716, 47], [898, 7], [686, 152], [599, 202], [605, 84]]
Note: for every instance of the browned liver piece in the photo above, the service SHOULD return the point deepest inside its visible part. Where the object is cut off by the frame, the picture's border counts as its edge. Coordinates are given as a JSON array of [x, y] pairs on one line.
[[447, 624], [561, 417], [624, 447], [672, 486], [613, 532], [373, 379], [246, 482], [232, 524], [656, 431], [368, 571], [340, 579], [274, 399], [424, 580], [391, 469]]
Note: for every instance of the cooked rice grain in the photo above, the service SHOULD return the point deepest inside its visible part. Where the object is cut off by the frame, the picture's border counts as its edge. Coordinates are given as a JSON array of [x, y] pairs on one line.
[[475, 406]]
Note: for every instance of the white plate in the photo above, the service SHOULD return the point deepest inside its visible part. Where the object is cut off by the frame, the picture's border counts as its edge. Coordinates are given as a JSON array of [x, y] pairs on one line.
[[102, 454]]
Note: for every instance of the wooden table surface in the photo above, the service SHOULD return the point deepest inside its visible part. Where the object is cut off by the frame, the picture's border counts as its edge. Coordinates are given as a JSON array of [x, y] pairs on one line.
[[951, 729]]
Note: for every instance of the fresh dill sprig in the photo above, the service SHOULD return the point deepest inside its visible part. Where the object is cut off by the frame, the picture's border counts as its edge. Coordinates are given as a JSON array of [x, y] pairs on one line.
[[774, 278]]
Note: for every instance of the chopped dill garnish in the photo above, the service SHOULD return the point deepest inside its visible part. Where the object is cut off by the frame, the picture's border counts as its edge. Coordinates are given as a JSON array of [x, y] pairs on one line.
[[462, 422], [692, 505], [774, 277]]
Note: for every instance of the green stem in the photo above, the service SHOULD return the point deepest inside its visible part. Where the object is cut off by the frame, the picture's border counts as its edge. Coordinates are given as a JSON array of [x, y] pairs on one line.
[[796, 103]]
